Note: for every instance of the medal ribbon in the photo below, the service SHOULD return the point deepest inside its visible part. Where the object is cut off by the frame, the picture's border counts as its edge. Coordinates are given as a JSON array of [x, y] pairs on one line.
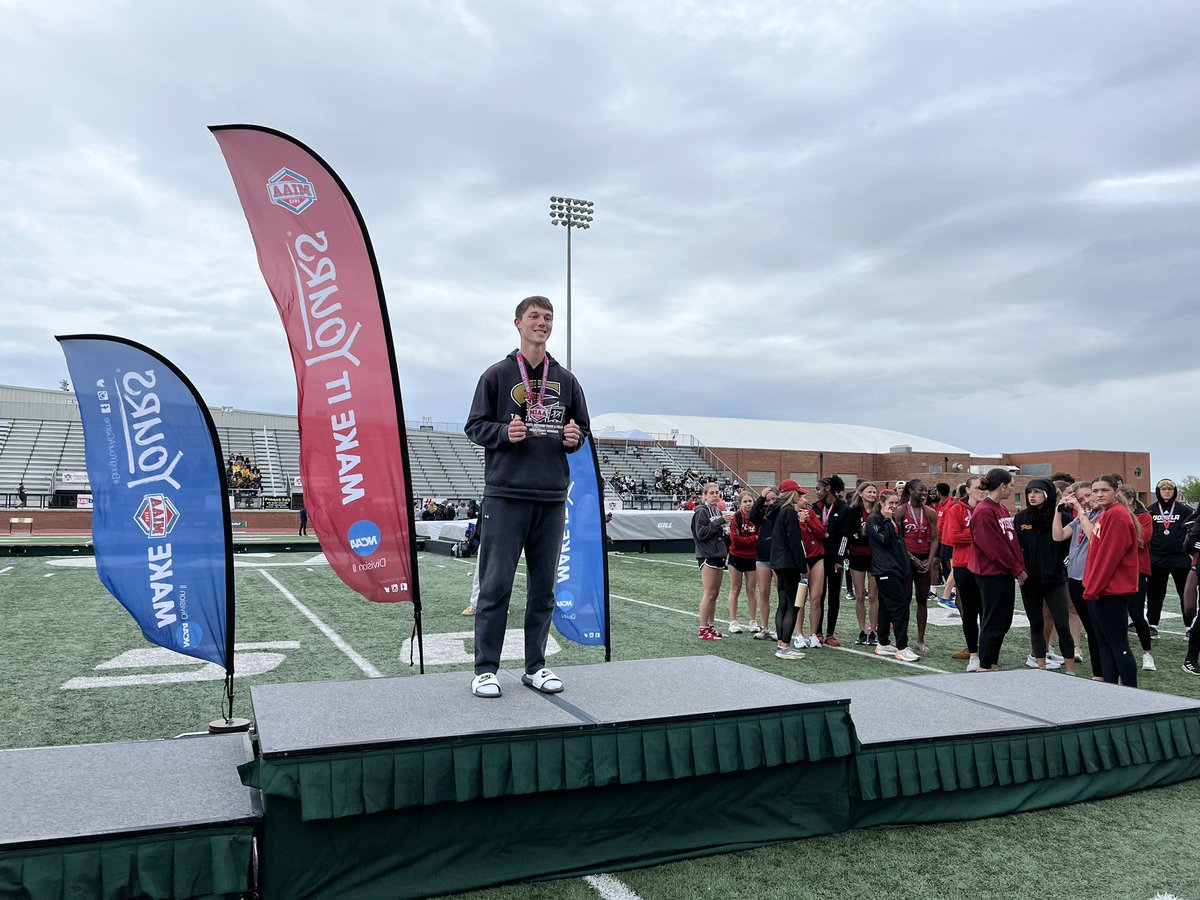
[[525, 379]]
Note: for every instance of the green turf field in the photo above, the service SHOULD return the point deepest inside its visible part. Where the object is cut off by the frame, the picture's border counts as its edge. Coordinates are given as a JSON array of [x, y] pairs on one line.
[[75, 669]]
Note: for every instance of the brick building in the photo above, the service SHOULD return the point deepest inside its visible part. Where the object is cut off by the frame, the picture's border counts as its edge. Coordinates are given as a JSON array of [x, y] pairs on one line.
[[764, 452]]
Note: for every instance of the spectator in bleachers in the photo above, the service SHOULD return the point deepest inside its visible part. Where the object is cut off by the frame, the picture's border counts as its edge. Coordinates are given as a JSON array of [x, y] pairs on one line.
[[22, 497], [429, 513]]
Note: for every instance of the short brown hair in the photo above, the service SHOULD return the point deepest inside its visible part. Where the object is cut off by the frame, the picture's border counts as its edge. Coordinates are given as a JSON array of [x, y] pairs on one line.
[[536, 300]]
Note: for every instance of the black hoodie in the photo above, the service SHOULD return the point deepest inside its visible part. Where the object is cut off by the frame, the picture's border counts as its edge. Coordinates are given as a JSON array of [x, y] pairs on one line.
[[1168, 551], [1045, 558], [535, 468]]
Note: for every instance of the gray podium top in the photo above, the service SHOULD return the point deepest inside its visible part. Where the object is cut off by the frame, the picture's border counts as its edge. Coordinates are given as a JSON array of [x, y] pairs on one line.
[[932, 707], [63, 794], [1056, 698], [326, 716]]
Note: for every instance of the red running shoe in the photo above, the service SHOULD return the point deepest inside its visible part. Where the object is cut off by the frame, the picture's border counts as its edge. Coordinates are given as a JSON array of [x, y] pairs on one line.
[[831, 641]]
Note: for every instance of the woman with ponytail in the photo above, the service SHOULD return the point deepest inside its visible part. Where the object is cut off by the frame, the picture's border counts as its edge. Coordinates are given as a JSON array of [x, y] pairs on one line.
[[996, 560], [1110, 580]]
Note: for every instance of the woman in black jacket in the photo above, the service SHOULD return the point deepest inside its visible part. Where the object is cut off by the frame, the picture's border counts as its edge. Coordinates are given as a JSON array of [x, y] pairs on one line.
[[762, 514], [1168, 551], [788, 562], [890, 564], [1045, 562]]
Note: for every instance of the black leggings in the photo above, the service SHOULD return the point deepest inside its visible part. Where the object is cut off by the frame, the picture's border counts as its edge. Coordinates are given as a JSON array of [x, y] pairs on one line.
[[893, 609], [969, 604], [833, 595], [1055, 596], [999, 596], [1084, 609], [1137, 614], [788, 581], [1156, 590], [1111, 615]]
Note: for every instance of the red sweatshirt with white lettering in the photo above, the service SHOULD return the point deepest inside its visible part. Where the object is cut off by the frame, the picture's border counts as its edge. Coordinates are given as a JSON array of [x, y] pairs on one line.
[[994, 546]]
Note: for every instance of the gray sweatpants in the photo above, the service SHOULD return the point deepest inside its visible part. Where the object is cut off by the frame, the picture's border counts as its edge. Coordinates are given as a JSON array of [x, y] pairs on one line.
[[513, 526]]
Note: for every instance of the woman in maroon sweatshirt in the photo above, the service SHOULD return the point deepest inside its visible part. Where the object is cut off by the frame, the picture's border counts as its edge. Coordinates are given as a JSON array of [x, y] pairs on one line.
[[1110, 580], [996, 559]]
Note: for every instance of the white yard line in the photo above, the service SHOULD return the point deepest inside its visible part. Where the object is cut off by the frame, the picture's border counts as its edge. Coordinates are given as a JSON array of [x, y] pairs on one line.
[[661, 562], [6, 569], [336, 639], [611, 888]]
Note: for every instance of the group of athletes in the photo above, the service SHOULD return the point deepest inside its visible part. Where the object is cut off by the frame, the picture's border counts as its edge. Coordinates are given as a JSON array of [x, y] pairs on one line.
[[1091, 562]]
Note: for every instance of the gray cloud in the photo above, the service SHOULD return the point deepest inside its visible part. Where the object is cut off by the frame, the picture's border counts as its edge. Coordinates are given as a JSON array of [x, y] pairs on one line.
[[958, 220]]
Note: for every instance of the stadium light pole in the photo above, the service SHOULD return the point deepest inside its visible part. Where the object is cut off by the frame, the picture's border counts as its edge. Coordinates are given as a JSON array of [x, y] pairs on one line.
[[571, 213]]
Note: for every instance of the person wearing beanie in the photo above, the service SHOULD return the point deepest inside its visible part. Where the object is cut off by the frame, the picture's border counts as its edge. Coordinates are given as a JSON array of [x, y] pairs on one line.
[[1169, 554], [1045, 562]]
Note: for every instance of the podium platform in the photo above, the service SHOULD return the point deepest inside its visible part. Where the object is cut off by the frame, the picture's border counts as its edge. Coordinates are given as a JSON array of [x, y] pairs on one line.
[[407, 787], [154, 819], [938, 748]]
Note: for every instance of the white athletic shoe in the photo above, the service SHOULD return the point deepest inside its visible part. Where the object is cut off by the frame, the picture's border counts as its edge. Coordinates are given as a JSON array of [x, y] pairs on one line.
[[799, 641], [885, 650], [973, 665], [907, 655], [1052, 655], [734, 627], [814, 641], [1148, 663], [753, 628]]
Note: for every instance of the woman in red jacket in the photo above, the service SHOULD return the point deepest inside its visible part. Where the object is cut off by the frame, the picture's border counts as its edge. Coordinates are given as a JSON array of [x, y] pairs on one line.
[[956, 533], [743, 545], [1110, 580], [996, 559]]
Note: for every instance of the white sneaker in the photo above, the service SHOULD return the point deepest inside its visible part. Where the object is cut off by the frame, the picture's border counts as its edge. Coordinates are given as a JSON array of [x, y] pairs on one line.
[[734, 627], [1078, 655], [1052, 656], [814, 641], [907, 655], [1031, 662], [1053, 664], [753, 627], [1148, 663], [800, 642], [973, 665], [885, 650]]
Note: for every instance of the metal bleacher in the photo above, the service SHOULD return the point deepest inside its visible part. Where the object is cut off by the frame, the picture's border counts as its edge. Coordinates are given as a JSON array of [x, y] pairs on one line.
[[443, 463]]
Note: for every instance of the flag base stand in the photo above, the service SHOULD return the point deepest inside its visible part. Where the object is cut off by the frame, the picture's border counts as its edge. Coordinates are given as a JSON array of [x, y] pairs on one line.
[[228, 726]]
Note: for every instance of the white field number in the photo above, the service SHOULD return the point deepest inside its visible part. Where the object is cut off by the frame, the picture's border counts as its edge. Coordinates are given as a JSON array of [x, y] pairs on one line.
[[248, 660]]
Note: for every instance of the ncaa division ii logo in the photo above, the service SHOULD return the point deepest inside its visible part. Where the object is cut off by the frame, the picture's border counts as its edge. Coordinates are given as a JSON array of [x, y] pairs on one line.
[[291, 190], [156, 515]]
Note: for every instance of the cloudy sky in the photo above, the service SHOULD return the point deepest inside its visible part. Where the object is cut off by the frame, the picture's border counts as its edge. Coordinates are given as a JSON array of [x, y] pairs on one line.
[[975, 221]]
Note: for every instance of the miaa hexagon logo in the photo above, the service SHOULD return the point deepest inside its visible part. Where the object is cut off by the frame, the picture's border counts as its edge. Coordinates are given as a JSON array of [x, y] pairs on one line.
[[156, 515], [291, 190]]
